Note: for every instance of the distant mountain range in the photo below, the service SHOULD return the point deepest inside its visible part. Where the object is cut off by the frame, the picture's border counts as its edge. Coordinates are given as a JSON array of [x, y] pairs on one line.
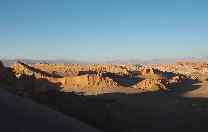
[[8, 62], [156, 61]]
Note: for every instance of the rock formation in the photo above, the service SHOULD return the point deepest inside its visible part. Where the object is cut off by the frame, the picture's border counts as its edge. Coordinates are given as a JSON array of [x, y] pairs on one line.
[[192, 70], [29, 75], [89, 83], [75, 69], [98, 78], [146, 71], [152, 85], [32, 81]]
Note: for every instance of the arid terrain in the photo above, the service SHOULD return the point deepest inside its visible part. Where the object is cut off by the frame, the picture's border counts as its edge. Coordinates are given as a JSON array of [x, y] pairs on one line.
[[117, 98]]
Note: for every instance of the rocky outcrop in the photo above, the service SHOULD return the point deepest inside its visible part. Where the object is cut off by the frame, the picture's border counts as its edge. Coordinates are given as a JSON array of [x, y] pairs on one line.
[[155, 80], [32, 81], [178, 79], [96, 79], [21, 69], [37, 81], [152, 85], [89, 83], [193, 70], [146, 71], [75, 69]]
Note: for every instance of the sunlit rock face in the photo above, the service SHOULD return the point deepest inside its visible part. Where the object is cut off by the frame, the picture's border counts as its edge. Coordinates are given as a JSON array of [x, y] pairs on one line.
[[89, 83], [193, 70], [152, 85], [98, 79], [39, 80], [146, 71], [77, 69]]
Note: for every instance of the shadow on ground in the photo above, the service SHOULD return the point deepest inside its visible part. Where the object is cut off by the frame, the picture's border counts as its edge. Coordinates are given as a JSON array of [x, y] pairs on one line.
[[123, 80], [117, 112]]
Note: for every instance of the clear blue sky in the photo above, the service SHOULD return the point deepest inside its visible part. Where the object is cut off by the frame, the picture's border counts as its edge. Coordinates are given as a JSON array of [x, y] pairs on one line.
[[98, 29]]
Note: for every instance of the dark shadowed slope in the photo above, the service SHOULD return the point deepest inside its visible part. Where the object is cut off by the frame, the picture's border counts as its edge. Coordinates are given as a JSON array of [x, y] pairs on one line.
[[23, 115]]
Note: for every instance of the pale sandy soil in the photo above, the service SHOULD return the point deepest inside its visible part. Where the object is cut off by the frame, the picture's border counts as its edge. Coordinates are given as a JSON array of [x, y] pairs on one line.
[[201, 92]]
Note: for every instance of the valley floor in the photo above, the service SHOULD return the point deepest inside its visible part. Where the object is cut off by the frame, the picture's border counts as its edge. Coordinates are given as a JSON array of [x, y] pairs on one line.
[[157, 111]]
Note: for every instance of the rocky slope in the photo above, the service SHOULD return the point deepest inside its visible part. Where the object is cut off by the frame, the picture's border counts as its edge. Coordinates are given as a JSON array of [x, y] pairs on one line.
[[92, 84], [89, 83], [24, 115], [77, 69], [144, 109], [194, 70], [98, 79]]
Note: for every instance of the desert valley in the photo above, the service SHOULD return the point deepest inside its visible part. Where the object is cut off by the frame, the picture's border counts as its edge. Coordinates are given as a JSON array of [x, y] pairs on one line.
[[103, 65], [122, 97]]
